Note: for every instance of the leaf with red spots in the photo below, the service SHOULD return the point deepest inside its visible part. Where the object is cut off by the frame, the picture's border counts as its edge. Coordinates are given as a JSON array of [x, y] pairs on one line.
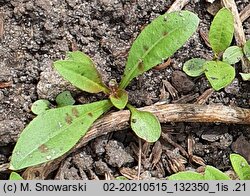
[[145, 124], [54, 132], [158, 41]]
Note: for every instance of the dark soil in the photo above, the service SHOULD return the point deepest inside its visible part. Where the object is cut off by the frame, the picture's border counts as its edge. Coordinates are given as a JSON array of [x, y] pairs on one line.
[[38, 32]]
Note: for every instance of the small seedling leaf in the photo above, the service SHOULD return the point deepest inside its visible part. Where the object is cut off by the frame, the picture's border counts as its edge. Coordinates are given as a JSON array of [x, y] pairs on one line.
[[158, 41], [145, 124], [232, 55], [245, 76], [40, 106], [55, 132], [194, 67], [119, 99], [80, 70], [186, 175], [240, 166], [212, 173], [221, 31], [246, 49], [219, 74], [15, 176], [64, 98], [121, 178]]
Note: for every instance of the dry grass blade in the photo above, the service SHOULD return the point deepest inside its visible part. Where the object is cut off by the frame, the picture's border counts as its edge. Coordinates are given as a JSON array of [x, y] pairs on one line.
[[238, 31], [5, 84], [170, 141], [156, 153], [204, 36], [163, 65], [1, 26], [178, 5], [205, 96], [245, 13]]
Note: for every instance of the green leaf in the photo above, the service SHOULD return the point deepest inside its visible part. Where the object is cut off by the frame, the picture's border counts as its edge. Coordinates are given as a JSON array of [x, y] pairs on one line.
[[54, 132], [158, 41], [194, 67], [245, 76], [15, 176], [80, 70], [212, 173], [145, 124], [221, 31], [219, 74], [64, 98], [119, 99], [246, 49], [232, 55], [40, 106], [186, 175], [121, 178], [240, 166]]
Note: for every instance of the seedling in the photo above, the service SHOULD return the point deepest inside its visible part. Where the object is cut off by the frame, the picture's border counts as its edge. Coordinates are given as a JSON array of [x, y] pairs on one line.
[[55, 131], [15, 176], [239, 164], [219, 73]]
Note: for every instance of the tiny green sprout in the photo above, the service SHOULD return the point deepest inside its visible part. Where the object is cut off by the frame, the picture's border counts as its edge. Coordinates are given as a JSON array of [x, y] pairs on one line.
[[40, 106], [211, 173], [194, 67], [64, 98], [121, 178], [55, 131], [219, 73], [245, 76], [15, 176], [239, 164]]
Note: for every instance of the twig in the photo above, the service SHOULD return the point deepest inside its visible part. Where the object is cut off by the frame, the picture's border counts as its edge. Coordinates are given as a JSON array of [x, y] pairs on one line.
[[178, 5], [205, 96], [116, 121], [239, 32], [1, 25], [5, 84], [245, 13], [139, 160]]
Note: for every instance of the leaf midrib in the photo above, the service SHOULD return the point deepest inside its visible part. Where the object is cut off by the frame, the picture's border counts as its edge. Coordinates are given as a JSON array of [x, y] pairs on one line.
[[146, 53], [64, 128]]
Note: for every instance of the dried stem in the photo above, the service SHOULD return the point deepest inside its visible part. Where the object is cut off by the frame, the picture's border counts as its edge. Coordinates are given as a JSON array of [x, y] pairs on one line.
[[245, 13], [239, 31], [116, 121], [178, 5]]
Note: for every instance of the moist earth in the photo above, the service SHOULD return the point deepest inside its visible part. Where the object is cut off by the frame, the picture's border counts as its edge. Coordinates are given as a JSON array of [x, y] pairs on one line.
[[37, 32]]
